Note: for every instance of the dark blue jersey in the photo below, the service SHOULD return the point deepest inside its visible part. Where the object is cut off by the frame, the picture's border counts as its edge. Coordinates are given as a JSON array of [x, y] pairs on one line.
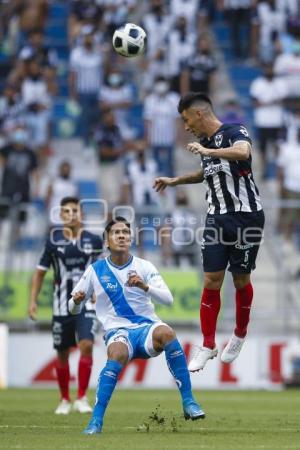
[[230, 184], [69, 259]]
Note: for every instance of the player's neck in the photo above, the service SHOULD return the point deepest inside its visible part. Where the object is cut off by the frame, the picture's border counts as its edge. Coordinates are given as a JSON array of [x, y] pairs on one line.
[[212, 127], [72, 233], [119, 259]]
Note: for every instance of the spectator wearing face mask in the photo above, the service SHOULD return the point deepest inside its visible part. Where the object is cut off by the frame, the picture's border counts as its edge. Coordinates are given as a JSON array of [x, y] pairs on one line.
[[116, 94], [267, 92], [184, 224], [141, 170], [198, 74], [181, 46], [287, 66], [157, 24], [63, 185], [86, 73], [19, 166], [110, 149], [12, 110], [232, 112], [161, 124], [45, 56], [83, 12], [238, 15], [189, 9], [37, 100], [268, 22]]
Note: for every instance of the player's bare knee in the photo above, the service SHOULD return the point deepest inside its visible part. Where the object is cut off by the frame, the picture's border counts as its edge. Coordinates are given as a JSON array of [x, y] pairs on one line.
[[161, 336], [213, 280], [118, 352], [240, 280], [86, 347], [63, 356]]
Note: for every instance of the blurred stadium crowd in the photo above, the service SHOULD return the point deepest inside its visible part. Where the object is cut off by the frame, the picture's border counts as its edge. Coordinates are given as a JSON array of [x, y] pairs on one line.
[[71, 107]]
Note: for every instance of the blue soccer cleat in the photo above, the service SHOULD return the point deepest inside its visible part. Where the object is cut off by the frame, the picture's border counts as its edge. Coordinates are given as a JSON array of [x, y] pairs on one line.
[[192, 410], [94, 426]]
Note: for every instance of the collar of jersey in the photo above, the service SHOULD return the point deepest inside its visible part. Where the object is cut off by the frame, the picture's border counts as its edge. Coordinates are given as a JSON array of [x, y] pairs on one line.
[[216, 132], [120, 267]]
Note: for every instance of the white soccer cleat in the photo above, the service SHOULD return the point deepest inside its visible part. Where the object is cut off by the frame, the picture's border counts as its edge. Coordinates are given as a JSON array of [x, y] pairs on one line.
[[82, 405], [201, 357], [232, 349], [64, 407]]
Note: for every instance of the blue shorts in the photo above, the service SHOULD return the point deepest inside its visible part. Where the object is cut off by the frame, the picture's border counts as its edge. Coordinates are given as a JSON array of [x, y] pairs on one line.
[[233, 239], [68, 330], [138, 340]]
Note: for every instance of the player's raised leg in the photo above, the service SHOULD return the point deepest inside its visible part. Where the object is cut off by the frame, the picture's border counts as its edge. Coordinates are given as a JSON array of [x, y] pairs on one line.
[[243, 298], [164, 338], [209, 311], [117, 354], [63, 379]]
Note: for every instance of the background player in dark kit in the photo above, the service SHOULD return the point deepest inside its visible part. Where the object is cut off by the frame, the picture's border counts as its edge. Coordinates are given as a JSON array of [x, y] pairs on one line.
[[69, 250]]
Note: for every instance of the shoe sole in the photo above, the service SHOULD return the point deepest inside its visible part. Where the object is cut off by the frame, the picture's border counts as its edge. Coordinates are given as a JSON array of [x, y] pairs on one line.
[[188, 417], [198, 370]]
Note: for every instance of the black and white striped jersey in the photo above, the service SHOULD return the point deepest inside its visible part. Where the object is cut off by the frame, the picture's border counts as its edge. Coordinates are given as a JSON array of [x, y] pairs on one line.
[[230, 184], [69, 260]]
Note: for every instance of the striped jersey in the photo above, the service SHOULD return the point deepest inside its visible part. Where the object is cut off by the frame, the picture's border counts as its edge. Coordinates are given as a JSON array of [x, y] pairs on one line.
[[230, 184], [69, 260], [88, 66], [117, 304]]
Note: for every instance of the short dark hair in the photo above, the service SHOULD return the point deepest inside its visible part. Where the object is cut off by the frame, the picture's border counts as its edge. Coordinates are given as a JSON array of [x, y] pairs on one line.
[[191, 98], [64, 201], [112, 223]]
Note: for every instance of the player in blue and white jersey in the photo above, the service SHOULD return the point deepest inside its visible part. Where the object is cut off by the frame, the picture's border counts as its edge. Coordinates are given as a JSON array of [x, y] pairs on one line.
[[234, 222], [124, 287], [69, 250]]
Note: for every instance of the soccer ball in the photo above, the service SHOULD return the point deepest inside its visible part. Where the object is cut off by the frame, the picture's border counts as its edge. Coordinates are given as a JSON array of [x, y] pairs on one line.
[[129, 40]]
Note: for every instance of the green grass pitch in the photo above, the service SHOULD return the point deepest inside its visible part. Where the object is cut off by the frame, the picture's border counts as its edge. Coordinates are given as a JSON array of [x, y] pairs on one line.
[[235, 420]]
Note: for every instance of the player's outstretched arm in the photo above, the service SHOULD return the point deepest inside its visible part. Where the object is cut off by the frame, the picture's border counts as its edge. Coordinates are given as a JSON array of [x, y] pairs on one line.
[[240, 151], [36, 284], [161, 183]]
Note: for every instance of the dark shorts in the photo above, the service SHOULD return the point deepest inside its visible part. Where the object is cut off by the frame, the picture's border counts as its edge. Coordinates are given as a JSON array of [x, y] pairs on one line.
[[266, 135], [68, 330], [233, 239]]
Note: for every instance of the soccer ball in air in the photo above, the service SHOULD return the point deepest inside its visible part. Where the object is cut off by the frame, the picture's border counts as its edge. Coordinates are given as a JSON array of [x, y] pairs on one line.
[[129, 40]]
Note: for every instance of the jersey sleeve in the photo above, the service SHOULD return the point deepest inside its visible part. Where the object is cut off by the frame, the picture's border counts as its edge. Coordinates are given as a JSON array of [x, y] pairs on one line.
[[153, 277], [85, 283], [46, 257], [240, 133], [158, 290]]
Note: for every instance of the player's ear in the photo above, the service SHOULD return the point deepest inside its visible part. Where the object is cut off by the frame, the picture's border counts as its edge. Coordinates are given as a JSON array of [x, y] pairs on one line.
[[105, 245], [199, 113]]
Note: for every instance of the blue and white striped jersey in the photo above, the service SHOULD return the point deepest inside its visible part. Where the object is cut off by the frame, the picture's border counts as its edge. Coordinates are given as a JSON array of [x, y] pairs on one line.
[[117, 304]]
